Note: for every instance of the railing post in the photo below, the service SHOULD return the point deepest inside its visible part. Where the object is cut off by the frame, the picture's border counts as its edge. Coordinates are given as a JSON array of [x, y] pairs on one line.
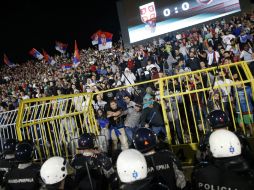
[[19, 120], [165, 117]]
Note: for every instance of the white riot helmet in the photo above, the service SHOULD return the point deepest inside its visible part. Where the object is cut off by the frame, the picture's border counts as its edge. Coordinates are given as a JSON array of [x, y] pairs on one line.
[[224, 143], [131, 166], [54, 170]]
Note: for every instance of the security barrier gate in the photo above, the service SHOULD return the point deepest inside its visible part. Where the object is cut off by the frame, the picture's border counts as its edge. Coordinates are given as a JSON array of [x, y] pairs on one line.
[[54, 123], [8, 126]]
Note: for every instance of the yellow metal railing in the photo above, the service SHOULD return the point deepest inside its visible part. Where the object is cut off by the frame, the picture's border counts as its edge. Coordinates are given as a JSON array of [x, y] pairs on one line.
[[54, 123], [194, 99]]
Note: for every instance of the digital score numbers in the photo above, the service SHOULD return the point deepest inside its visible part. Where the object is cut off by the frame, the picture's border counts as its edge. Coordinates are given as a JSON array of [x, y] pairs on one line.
[[183, 7]]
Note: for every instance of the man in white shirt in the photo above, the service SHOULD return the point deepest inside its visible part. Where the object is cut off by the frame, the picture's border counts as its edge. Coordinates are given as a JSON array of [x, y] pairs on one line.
[[24, 96], [246, 54], [100, 103], [226, 39], [128, 78], [150, 66], [213, 57]]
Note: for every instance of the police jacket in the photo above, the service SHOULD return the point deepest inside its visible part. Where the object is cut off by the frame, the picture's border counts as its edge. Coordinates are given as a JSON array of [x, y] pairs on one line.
[[5, 166], [99, 169], [165, 168], [224, 173], [145, 184], [27, 178]]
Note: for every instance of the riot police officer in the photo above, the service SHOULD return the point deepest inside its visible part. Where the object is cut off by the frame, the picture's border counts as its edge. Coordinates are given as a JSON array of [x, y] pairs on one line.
[[227, 169], [26, 175], [54, 174], [7, 161], [132, 171], [163, 164], [92, 166], [218, 119]]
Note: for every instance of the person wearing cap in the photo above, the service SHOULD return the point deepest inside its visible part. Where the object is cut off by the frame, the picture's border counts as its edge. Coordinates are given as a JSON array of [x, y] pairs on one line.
[[227, 169], [151, 115]]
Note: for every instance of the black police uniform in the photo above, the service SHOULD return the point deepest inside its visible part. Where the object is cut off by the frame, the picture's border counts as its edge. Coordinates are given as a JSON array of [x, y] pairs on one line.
[[23, 179], [162, 166], [145, 184], [223, 174], [100, 170], [5, 166], [68, 184]]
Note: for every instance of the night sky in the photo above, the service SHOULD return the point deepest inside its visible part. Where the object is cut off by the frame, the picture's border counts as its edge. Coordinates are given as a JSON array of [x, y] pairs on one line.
[[36, 23]]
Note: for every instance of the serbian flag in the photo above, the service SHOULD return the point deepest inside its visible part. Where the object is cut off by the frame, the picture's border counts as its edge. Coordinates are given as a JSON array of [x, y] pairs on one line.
[[36, 54], [105, 40], [48, 59], [95, 37], [76, 58], [8, 62], [61, 47], [66, 66]]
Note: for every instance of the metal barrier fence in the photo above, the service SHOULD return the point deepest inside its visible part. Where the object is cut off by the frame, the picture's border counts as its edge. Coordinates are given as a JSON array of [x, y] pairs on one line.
[[187, 98], [54, 123], [8, 126]]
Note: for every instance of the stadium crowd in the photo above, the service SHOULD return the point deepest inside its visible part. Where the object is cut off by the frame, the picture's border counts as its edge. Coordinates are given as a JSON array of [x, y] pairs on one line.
[[134, 116], [217, 43]]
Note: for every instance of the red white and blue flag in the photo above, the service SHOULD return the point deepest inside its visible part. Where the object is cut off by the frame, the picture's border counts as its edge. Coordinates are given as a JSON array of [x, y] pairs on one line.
[[8, 62], [76, 58], [105, 40], [48, 58], [95, 37], [61, 47], [36, 54], [66, 66]]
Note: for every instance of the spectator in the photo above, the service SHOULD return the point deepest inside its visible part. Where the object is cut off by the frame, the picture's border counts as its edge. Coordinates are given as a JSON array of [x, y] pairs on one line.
[[193, 62], [133, 114], [128, 78], [151, 115], [103, 123], [114, 114], [212, 57], [246, 53], [100, 103], [244, 107]]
